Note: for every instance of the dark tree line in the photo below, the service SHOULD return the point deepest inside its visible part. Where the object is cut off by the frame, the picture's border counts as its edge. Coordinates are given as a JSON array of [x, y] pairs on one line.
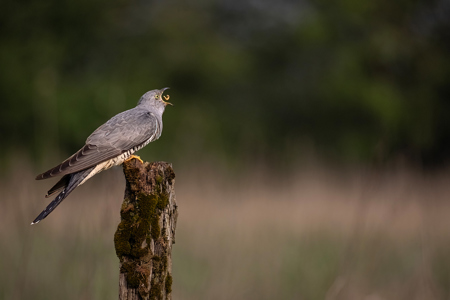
[[346, 78]]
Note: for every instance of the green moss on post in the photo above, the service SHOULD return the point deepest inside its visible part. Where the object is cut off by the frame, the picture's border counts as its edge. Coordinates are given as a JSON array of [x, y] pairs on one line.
[[168, 283], [145, 235]]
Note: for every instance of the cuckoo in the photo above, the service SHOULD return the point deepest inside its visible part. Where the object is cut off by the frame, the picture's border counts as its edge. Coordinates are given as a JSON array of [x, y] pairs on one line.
[[109, 145]]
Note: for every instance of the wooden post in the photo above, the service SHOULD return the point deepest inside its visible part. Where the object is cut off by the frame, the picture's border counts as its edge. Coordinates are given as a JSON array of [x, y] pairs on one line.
[[145, 235]]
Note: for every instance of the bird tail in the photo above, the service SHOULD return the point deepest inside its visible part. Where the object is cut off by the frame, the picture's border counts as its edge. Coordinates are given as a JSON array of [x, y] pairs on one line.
[[70, 183], [60, 185]]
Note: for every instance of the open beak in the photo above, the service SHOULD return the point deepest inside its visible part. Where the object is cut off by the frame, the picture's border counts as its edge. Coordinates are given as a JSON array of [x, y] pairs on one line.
[[164, 99]]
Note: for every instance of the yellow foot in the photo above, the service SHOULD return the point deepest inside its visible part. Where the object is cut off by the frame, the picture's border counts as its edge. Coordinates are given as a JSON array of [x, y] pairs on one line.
[[134, 156]]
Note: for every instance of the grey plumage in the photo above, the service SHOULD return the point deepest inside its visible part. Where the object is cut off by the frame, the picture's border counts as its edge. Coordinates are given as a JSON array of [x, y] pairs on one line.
[[109, 145]]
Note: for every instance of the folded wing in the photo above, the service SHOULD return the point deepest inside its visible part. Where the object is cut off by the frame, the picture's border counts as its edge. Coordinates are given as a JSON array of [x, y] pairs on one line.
[[121, 133]]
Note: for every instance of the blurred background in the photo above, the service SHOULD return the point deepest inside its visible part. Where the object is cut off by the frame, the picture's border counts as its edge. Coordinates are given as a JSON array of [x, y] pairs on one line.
[[310, 139]]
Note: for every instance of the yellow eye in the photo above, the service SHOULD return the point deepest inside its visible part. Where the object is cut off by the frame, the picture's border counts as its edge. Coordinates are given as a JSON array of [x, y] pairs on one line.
[[157, 96]]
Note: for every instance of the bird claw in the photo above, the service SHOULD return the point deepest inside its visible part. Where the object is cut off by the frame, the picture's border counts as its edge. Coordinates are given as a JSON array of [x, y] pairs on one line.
[[136, 157]]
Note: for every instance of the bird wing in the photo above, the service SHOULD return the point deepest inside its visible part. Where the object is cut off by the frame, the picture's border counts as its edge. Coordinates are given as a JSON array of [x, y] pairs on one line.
[[121, 133]]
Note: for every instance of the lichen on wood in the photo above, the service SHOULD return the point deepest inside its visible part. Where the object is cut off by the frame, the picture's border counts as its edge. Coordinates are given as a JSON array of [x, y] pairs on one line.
[[145, 235]]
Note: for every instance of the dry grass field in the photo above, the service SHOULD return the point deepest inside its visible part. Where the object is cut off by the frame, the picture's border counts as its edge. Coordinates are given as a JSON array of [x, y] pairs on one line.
[[316, 234]]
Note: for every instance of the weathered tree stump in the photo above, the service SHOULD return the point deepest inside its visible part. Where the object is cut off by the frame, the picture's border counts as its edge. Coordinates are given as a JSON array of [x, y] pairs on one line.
[[145, 235]]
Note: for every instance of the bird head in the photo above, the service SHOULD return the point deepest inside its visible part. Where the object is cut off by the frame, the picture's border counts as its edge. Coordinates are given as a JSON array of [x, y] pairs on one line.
[[155, 98]]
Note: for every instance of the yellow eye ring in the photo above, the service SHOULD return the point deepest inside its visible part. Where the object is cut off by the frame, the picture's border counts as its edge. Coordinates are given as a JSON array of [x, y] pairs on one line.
[[157, 96]]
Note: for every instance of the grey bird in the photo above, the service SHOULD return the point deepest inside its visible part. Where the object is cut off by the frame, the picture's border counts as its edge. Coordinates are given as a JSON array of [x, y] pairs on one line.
[[109, 145]]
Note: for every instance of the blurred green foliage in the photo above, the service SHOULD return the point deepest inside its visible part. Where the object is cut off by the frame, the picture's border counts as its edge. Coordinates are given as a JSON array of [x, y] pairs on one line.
[[347, 79]]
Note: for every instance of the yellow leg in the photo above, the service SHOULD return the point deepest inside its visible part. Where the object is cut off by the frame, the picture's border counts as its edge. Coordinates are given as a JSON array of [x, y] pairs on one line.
[[134, 156]]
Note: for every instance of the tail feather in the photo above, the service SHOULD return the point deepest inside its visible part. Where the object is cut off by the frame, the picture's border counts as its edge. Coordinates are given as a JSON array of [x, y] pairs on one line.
[[60, 185], [73, 181]]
